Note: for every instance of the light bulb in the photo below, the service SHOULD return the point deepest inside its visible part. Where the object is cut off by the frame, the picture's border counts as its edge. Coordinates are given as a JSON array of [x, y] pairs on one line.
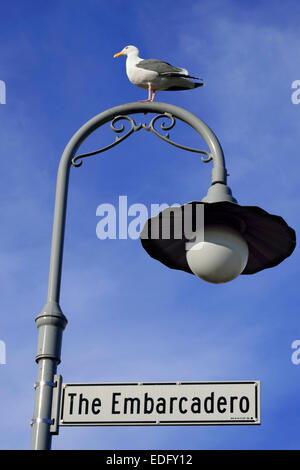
[[220, 257]]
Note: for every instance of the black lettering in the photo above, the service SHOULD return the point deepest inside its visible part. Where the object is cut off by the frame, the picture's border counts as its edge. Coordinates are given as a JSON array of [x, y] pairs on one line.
[[72, 395], [161, 407], [180, 404], [81, 401], [96, 403], [231, 403], [132, 401], [207, 401], [221, 401], [172, 399], [196, 405], [247, 405], [148, 400], [114, 403]]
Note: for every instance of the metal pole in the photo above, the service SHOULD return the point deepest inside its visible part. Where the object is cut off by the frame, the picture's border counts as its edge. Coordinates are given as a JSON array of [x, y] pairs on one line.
[[51, 321]]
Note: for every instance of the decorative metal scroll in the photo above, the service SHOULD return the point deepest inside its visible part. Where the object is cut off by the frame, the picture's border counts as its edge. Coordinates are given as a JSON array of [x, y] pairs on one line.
[[164, 127]]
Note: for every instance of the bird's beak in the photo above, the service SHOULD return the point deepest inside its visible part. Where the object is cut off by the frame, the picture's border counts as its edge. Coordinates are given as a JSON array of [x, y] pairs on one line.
[[118, 54]]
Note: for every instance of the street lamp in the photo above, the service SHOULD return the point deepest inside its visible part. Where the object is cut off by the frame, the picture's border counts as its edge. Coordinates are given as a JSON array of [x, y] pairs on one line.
[[236, 239]]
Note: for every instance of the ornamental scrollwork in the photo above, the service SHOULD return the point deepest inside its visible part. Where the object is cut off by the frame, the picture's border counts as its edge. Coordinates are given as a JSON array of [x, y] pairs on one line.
[[167, 122]]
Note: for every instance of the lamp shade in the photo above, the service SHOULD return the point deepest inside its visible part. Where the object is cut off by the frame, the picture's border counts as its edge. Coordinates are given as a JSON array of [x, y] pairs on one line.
[[168, 236]]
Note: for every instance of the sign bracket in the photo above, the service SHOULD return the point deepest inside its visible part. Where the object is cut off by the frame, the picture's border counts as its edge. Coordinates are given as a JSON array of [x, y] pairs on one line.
[[56, 400]]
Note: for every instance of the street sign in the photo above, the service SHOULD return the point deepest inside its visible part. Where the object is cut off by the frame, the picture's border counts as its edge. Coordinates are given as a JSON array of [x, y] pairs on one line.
[[173, 403]]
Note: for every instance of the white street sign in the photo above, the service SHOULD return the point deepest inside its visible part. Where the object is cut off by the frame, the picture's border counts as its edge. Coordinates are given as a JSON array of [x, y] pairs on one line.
[[176, 403]]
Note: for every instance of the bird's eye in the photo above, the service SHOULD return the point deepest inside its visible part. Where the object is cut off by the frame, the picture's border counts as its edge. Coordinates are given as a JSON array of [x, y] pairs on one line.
[[126, 47]]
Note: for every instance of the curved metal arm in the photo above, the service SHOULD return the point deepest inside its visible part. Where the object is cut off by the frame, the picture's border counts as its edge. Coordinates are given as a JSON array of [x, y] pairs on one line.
[[113, 115]]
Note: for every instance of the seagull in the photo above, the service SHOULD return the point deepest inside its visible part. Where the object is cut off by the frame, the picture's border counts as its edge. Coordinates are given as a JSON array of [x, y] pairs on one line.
[[154, 75]]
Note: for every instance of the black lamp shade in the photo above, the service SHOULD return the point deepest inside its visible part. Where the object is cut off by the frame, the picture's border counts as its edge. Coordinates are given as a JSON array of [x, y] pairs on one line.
[[270, 240]]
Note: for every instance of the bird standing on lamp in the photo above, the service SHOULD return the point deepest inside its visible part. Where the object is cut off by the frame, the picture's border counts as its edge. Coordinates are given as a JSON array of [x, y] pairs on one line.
[[154, 75]]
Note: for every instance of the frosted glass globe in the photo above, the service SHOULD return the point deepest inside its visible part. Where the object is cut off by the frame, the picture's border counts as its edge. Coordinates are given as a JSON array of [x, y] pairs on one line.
[[220, 257]]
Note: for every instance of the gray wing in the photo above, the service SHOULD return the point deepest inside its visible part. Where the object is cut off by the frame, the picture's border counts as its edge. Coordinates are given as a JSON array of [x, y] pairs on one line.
[[162, 68]]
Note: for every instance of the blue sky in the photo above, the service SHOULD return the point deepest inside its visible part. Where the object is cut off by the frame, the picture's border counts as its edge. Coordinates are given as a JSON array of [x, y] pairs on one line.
[[131, 318]]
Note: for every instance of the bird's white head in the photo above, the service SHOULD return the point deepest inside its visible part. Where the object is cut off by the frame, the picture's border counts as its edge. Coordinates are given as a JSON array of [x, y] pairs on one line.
[[127, 51]]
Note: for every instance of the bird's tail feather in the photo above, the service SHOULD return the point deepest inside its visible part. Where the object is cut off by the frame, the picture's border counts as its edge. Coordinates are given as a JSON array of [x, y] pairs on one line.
[[196, 85], [179, 75], [195, 78], [191, 86]]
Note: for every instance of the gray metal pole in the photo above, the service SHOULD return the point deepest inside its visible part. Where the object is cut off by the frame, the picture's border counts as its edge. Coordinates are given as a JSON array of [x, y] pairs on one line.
[[51, 321]]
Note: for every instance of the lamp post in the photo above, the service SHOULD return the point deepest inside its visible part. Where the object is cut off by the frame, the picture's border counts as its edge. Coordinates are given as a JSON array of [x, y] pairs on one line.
[[223, 212]]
